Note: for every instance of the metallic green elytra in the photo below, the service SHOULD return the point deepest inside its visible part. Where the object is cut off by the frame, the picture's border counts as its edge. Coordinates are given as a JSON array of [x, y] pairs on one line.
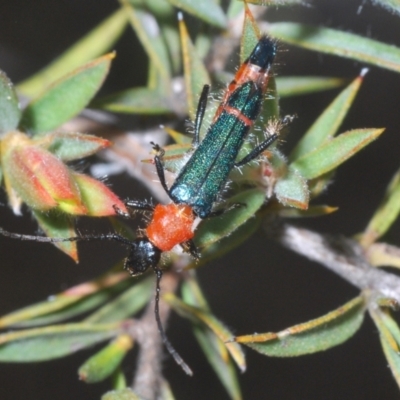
[[204, 175]]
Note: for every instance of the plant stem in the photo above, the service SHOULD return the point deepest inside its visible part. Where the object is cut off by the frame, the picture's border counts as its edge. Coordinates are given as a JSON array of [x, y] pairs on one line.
[[341, 255]]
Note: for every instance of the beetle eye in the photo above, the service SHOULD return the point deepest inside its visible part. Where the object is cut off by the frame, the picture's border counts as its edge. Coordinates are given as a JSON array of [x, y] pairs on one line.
[[142, 255]]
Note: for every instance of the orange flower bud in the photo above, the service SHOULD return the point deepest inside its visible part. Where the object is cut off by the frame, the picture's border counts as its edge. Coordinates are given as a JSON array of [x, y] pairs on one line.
[[41, 180]]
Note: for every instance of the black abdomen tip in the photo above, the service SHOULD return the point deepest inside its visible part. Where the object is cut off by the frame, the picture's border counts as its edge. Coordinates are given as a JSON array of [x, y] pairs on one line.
[[264, 53]]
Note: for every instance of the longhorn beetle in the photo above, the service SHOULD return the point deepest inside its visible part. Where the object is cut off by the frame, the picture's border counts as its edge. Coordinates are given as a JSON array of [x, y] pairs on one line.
[[200, 181]]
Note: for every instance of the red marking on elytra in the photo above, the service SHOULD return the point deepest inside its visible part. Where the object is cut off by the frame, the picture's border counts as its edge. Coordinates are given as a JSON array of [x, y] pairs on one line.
[[171, 224], [235, 112], [247, 72]]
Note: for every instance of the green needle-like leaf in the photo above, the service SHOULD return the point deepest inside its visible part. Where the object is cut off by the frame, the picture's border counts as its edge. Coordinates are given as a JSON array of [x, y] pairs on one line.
[[94, 44], [327, 124], [223, 366], [71, 303], [333, 153], [250, 35], [206, 10], [196, 75], [69, 146], [141, 100], [10, 113], [299, 85], [101, 365], [215, 351], [389, 334], [66, 97], [198, 315], [339, 43], [385, 215], [148, 31], [51, 342], [126, 304], [317, 335], [58, 226]]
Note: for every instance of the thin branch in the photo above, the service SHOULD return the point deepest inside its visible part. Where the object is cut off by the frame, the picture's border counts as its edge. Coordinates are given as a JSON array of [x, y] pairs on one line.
[[341, 255], [148, 376]]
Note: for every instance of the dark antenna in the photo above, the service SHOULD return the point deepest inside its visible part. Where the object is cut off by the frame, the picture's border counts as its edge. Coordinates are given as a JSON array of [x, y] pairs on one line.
[[118, 238], [201, 109], [171, 350]]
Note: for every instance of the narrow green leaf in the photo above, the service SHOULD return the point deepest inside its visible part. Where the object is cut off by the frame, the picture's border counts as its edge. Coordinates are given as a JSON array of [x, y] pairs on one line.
[[333, 153], [391, 325], [299, 85], [69, 146], [58, 225], [206, 10], [102, 364], [214, 229], [148, 31], [71, 302], [170, 33], [250, 34], [223, 367], [179, 139], [393, 359], [339, 43], [327, 124], [66, 97], [166, 15], [235, 9], [316, 335], [386, 214], [212, 347], [77, 305], [135, 101], [10, 113], [123, 394], [196, 75], [159, 8], [96, 42], [192, 293], [126, 304], [198, 315], [389, 334], [41, 344]]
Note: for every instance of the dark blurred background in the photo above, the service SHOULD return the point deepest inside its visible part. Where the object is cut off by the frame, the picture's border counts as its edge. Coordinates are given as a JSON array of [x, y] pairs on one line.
[[260, 286]]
